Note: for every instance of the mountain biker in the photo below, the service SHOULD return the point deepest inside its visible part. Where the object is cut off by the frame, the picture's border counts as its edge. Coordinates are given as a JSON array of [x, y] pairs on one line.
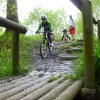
[[46, 29], [65, 35]]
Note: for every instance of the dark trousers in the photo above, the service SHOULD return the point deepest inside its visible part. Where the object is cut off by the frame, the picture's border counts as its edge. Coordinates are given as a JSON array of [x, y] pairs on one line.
[[48, 35]]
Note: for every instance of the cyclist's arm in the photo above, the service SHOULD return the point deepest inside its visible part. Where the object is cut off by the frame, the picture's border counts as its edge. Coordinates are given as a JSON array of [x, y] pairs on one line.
[[39, 28], [50, 26]]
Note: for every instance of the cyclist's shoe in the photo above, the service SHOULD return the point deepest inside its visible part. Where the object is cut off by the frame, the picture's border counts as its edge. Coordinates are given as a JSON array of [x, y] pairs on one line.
[[51, 44]]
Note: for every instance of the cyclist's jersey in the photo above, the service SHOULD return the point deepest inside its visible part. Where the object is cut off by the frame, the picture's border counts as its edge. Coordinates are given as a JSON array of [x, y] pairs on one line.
[[46, 26]]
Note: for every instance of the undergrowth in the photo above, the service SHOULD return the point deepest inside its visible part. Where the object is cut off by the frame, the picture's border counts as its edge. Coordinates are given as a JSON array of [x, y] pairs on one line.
[[26, 45], [78, 66], [79, 63]]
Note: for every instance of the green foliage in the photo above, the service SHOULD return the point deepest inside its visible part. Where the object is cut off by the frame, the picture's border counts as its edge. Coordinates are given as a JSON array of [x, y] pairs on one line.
[[53, 78], [26, 45], [78, 66], [5, 55], [1, 31], [56, 18], [97, 59], [96, 8], [5, 58], [79, 26]]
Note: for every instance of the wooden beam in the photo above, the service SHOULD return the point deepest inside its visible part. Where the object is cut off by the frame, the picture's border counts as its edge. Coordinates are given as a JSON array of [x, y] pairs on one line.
[[12, 25], [78, 4]]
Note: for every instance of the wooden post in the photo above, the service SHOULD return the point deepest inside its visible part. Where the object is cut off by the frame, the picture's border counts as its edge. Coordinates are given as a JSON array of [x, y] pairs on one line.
[[15, 53], [89, 69], [15, 41], [99, 30]]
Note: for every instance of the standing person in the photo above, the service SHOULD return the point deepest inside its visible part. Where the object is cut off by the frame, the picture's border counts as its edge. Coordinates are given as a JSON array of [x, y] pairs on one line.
[[47, 29], [65, 35], [72, 28]]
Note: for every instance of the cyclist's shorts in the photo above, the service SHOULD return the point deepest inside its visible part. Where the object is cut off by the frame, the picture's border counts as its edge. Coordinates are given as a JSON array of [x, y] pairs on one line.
[[72, 30]]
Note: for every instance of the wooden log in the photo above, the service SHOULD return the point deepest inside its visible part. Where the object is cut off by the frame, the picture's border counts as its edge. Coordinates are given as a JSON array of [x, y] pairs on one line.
[[71, 92], [18, 83], [28, 90], [12, 25], [15, 90], [14, 80], [40, 92], [56, 91], [7, 82], [8, 79]]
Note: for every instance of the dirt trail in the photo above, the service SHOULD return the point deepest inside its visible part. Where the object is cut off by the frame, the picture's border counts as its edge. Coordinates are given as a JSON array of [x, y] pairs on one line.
[[57, 62]]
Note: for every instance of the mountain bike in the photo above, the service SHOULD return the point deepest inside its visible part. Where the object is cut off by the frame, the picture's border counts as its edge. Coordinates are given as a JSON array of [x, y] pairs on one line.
[[45, 48]]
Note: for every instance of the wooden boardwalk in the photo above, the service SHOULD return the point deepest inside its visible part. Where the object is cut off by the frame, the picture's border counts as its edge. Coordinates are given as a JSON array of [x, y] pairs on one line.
[[37, 87]]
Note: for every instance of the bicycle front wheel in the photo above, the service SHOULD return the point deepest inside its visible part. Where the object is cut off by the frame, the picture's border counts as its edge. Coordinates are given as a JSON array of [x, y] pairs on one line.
[[43, 50]]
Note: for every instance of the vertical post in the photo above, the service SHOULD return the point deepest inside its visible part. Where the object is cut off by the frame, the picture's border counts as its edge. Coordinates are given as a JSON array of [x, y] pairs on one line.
[[99, 30], [89, 69], [15, 53]]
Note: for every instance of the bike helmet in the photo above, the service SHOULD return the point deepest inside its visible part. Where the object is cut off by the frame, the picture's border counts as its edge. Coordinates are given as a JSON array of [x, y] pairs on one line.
[[65, 30], [43, 17]]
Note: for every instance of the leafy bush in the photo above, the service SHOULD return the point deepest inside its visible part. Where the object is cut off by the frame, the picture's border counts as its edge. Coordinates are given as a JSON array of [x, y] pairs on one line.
[[79, 63], [53, 78], [97, 59], [26, 45], [78, 66]]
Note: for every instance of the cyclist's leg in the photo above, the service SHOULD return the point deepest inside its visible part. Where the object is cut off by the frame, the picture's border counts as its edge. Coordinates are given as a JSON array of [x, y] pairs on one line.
[[68, 36], [49, 37], [62, 37]]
